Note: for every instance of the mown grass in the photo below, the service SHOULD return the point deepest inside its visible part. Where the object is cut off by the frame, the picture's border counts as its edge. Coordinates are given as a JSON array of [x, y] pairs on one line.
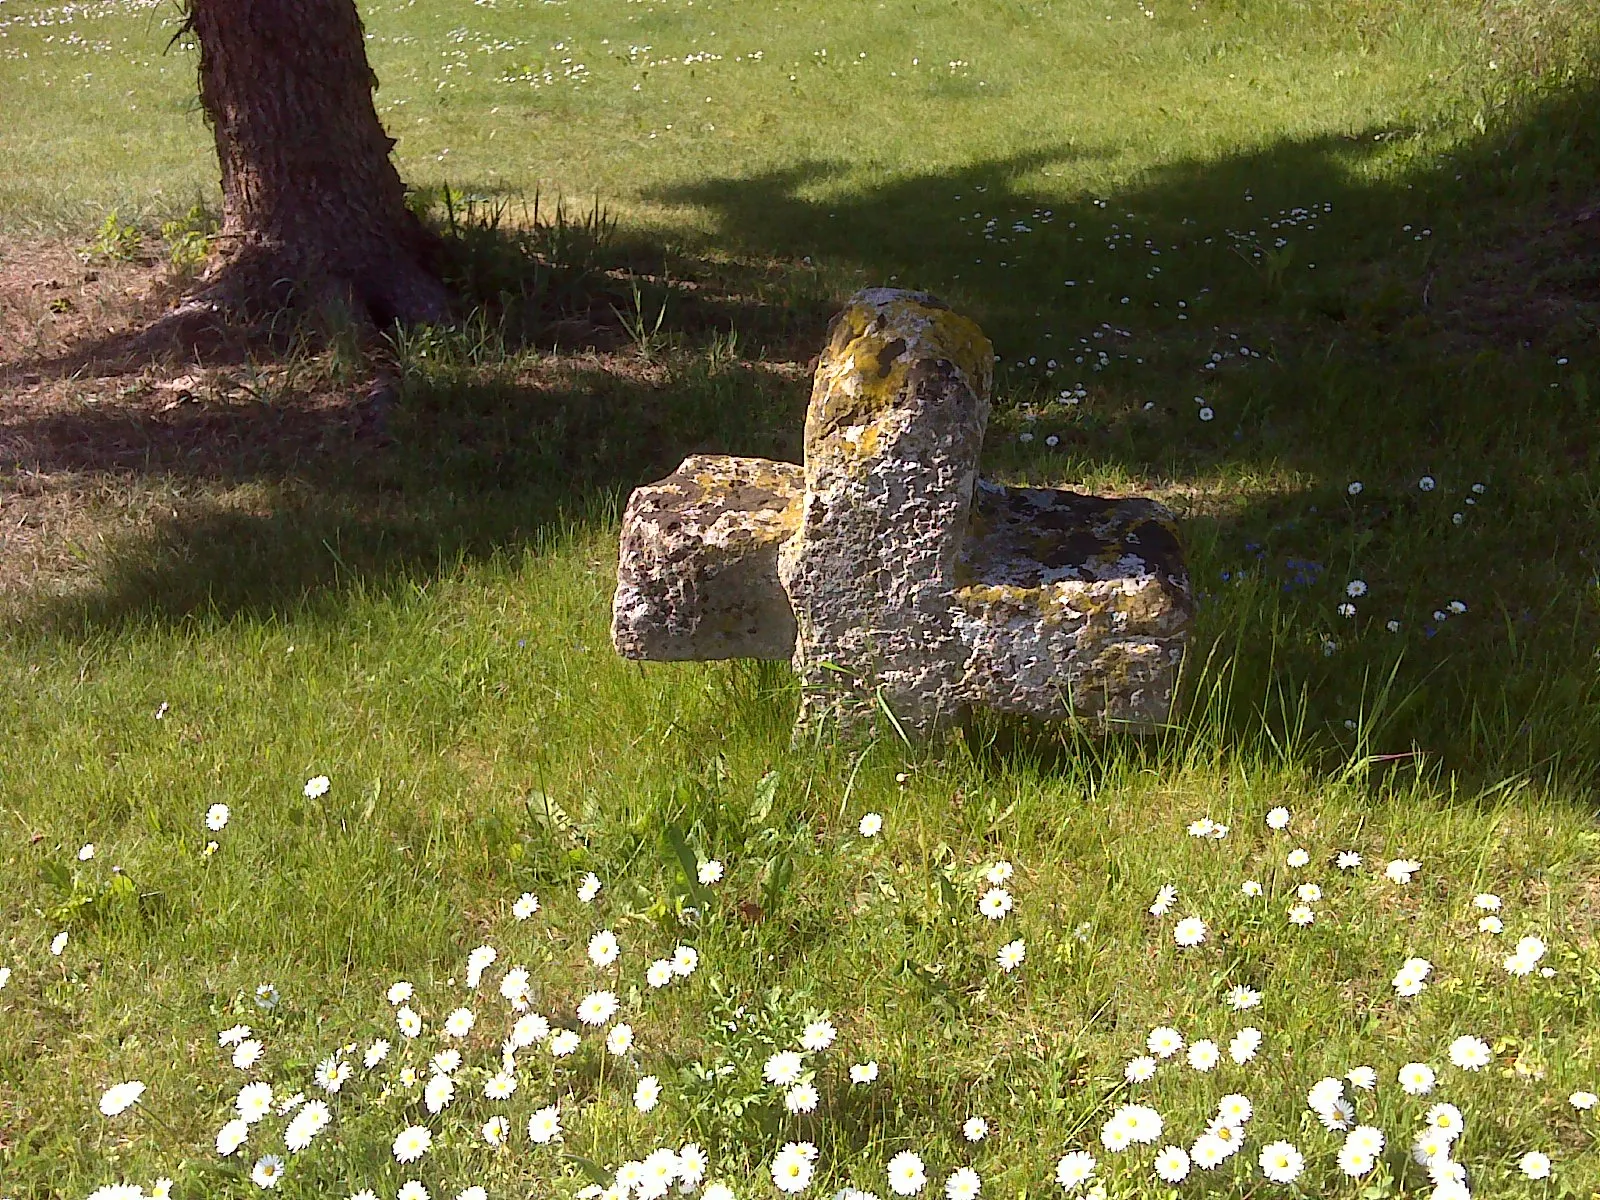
[[423, 617]]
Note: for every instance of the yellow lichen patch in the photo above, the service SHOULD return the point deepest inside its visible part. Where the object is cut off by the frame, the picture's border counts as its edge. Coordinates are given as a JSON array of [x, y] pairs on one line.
[[870, 357]]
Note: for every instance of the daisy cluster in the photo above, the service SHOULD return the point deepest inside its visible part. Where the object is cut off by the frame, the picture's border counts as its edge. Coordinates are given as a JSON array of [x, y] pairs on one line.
[[506, 1061]]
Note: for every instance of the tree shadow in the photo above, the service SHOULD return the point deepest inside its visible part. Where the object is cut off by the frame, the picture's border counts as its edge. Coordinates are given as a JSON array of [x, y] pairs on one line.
[[1341, 323]]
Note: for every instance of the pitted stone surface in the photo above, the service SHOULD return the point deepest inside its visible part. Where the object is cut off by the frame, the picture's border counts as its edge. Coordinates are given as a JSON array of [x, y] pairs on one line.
[[697, 577], [890, 573], [898, 410], [1071, 605]]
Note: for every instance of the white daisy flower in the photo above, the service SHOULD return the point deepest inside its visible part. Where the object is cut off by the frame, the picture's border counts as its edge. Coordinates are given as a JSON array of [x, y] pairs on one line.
[[1278, 818], [870, 825], [1281, 1162], [217, 817], [563, 1043], [604, 948], [791, 1170], [495, 1130], [400, 992], [684, 961], [975, 1129], [1401, 870], [525, 906], [459, 1023], [1190, 931], [1140, 1070], [1172, 1164], [1244, 1045], [1250, 887], [1009, 957], [647, 1094], [963, 1184], [411, 1143], [862, 1073], [784, 1068], [802, 1098], [1240, 998], [120, 1097], [906, 1174], [267, 1172], [1075, 1169], [620, 1040], [709, 872], [1364, 1078], [1203, 1055], [1416, 1079], [1298, 857], [589, 887], [818, 1035], [1165, 899], [544, 1126], [231, 1136], [316, 787], [597, 1008], [996, 903]]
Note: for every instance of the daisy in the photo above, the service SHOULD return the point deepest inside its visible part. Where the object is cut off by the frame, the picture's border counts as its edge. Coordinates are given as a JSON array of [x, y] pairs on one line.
[[1208, 1152], [692, 1165], [647, 1094], [1401, 870], [1204, 827], [906, 1174], [515, 985], [818, 1035], [996, 903], [1203, 1055], [1244, 1045], [411, 1143], [524, 906], [1234, 1109], [58, 943], [459, 1023], [267, 1172], [1298, 858], [1416, 1079], [412, 1189], [1355, 589], [1165, 899], [597, 1008], [963, 1184], [246, 1054], [1190, 931], [1141, 1122], [1491, 924], [437, 1095], [1487, 901], [1278, 818], [784, 1068], [1323, 1093], [1172, 1164], [530, 1030], [161, 1189], [1075, 1169], [544, 1126], [659, 973], [684, 961], [495, 1130], [1309, 893], [1347, 860], [791, 1169], [217, 817], [399, 993], [375, 1053], [120, 1097], [1445, 1119], [1240, 998], [1364, 1078], [718, 1191], [1366, 1139], [870, 825], [232, 1037], [1140, 1070], [865, 1072], [589, 887], [472, 1193], [478, 962], [563, 1043], [307, 1123], [1250, 887], [331, 1074], [253, 1102], [316, 787], [1281, 1162], [709, 872], [1009, 957], [1470, 1053], [975, 1129], [1302, 915], [1583, 1101], [1355, 1162], [802, 1098], [604, 948], [1164, 1041], [407, 1021], [499, 1086], [620, 1039]]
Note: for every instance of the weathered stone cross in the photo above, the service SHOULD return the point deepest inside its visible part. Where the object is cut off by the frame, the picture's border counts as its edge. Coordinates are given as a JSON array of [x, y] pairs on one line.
[[892, 575]]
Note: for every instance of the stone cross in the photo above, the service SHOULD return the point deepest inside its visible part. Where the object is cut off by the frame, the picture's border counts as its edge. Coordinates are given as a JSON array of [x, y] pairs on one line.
[[899, 584]]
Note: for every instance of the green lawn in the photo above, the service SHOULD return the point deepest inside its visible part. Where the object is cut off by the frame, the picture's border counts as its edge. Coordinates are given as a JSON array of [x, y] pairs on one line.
[[1242, 256]]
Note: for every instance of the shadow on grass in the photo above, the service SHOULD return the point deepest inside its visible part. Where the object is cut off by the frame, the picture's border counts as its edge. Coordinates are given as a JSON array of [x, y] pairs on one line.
[[1343, 323]]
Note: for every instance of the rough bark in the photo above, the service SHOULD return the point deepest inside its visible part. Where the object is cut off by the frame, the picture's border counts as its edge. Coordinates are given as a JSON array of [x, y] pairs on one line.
[[313, 209]]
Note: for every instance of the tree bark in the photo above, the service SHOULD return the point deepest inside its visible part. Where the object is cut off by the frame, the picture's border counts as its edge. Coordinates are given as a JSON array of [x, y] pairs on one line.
[[312, 207]]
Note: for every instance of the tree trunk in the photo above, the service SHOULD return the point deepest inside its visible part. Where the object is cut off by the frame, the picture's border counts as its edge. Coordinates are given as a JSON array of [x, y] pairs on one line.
[[312, 207]]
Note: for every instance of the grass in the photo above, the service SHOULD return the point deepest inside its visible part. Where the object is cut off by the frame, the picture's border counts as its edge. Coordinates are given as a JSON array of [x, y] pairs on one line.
[[410, 595]]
